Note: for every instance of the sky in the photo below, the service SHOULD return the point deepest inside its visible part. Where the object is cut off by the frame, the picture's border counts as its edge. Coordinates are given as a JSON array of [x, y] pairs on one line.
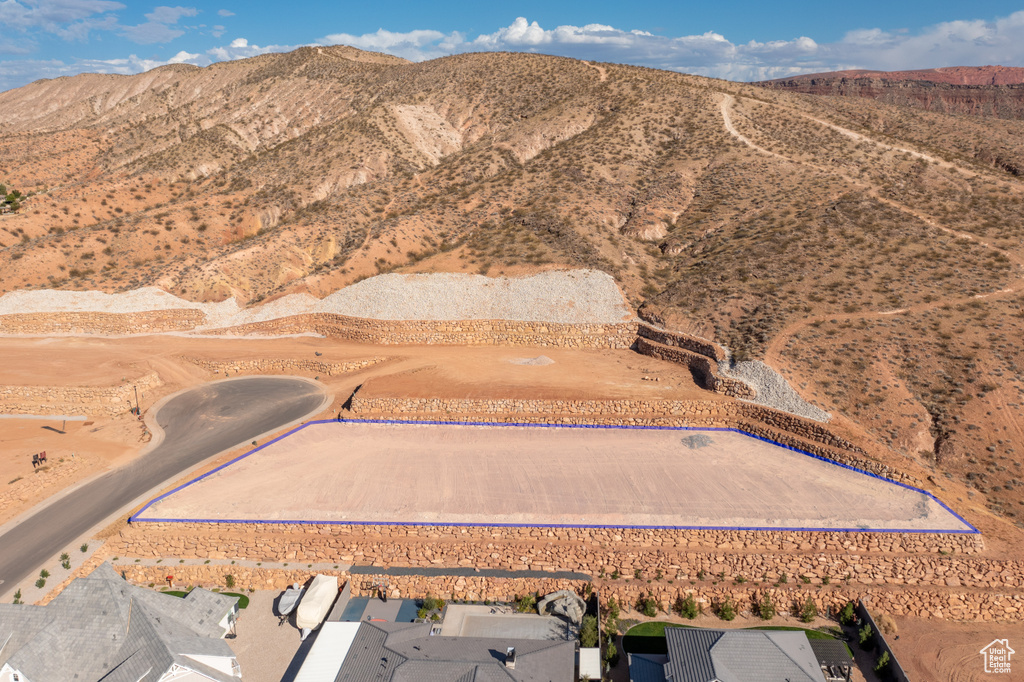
[[733, 39]]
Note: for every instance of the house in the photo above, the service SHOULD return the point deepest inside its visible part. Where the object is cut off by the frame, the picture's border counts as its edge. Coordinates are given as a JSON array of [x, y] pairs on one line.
[[407, 652], [701, 655], [103, 628]]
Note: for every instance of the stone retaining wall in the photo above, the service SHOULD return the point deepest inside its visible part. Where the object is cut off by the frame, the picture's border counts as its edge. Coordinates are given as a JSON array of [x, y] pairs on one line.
[[693, 344], [758, 420], [101, 324], [949, 604], [457, 332], [693, 555], [282, 365], [73, 400], [704, 369]]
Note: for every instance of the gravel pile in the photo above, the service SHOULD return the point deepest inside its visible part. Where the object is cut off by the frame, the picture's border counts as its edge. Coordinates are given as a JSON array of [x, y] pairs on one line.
[[574, 296], [772, 389]]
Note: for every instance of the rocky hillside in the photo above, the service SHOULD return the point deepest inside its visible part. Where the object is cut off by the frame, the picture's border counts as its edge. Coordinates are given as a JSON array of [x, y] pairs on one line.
[[870, 252], [995, 91]]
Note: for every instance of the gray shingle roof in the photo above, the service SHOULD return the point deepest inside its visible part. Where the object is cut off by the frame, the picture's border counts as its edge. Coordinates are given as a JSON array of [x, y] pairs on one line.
[[699, 655], [102, 628], [403, 652], [831, 652]]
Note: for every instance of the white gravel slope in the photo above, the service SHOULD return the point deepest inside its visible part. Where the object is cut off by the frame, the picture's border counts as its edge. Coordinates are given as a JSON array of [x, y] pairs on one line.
[[573, 296]]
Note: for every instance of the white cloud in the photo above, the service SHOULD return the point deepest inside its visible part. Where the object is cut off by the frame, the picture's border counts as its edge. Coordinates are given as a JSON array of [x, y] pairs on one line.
[[225, 13], [713, 54], [966, 42], [161, 27]]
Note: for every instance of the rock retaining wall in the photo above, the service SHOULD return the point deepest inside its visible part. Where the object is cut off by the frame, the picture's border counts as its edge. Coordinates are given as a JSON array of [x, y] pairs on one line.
[[101, 324], [693, 344], [456, 332], [780, 427], [282, 365], [938, 603], [704, 369], [73, 400]]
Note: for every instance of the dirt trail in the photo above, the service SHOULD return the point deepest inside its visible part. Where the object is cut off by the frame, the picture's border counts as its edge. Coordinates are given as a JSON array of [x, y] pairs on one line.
[[774, 350], [600, 69]]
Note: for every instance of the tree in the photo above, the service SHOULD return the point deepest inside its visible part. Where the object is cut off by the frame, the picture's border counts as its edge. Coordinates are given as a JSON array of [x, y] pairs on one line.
[[865, 637], [727, 610], [687, 608], [766, 607], [588, 632], [882, 662], [613, 609], [809, 611], [846, 615]]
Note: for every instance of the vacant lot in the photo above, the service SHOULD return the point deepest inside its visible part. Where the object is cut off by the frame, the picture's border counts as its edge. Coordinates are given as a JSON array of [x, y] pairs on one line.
[[438, 474]]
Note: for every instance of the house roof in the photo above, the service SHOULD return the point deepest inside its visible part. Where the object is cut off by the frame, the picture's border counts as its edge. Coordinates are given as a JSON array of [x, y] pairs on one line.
[[831, 652], [404, 652], [102, 628], [700, 655]]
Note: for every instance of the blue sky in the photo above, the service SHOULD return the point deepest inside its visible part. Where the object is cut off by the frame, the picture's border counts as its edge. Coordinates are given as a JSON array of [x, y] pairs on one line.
[[740, 40]]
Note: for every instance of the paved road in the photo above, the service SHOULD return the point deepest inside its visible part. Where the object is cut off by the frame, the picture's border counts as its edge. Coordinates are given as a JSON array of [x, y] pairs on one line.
[[197, 424]]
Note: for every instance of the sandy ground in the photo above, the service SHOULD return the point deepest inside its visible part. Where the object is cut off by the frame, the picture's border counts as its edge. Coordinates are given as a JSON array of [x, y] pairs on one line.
[[344, 471], [941, 650], [431, 371]]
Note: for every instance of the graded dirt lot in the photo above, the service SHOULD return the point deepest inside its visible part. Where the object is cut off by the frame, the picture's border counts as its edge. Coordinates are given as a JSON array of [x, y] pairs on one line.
[[440, 474], [951, 652], [435, 371]]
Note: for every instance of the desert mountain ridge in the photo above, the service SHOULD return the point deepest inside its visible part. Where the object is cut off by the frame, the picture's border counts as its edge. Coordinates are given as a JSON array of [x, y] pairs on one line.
[[870, 252], [991, 91]]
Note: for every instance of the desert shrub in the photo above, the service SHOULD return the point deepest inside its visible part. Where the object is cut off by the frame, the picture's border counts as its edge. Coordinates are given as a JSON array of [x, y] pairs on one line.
[[846, 615], [766, 607], [688, 607], [229, 581]]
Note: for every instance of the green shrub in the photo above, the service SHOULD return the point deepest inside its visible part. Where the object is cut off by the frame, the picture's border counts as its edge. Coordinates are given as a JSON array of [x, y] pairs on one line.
[[588, 632], [688, 608], [809, 611], [229, 581], [613, 609], [766, 607], [526, 604], [17, 597], [44, 573], [83, 549], [430, 602], [846, 615], [650, 607], [422, 614], [727, 610], [865, 637], [41, 583], [882, 662], [611, 654]]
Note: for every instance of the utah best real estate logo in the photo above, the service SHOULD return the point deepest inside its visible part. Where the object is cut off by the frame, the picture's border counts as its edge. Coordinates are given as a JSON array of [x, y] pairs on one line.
[[997, 656]]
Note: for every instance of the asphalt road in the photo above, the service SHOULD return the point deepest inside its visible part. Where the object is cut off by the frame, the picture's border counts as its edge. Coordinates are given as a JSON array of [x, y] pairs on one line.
[[197, 424]]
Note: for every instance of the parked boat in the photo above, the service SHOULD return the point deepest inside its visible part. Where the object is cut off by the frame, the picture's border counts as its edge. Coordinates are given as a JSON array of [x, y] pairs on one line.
[[288, 601], [316, 603]]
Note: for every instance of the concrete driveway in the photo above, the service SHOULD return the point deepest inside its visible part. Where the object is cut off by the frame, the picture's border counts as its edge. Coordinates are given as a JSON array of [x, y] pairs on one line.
[[197, 424]]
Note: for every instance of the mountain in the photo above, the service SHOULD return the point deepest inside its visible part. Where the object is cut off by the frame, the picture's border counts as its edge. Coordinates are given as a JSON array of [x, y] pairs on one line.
[[871, 253], [996, 91]]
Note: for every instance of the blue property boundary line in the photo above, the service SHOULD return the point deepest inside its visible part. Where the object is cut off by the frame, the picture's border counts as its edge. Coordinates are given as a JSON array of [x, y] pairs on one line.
[[137, 516]]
